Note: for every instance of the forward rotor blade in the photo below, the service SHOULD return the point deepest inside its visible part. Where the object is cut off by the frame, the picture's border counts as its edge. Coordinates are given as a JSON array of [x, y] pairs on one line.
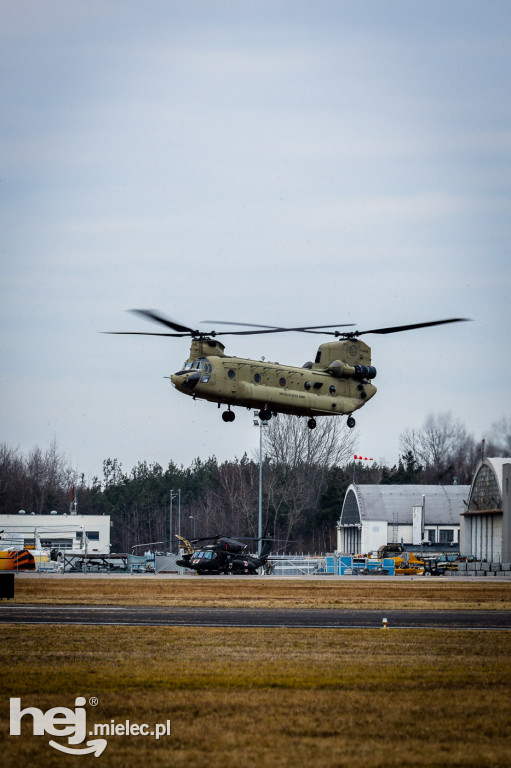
[[144, 333], [271, 328], [151, 314]]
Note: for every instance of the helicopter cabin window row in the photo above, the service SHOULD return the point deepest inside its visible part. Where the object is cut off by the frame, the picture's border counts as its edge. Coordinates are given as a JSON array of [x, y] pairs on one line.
[[283, 382]]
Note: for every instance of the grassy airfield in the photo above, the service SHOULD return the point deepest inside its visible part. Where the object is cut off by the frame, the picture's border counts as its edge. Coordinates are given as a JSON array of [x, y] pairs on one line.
[[267, 697], [246, 592]]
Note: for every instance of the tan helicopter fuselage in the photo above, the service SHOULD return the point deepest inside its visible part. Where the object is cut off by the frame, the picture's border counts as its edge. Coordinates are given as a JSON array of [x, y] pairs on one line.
[[338, 382]]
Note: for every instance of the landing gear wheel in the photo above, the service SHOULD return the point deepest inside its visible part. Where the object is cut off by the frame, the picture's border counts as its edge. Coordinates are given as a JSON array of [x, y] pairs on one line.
[[311, 423], [228, 415], [351, 422], [265, 414]]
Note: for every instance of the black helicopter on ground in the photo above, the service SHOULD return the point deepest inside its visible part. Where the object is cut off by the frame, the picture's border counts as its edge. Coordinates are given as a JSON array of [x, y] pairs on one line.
[[223, 555]]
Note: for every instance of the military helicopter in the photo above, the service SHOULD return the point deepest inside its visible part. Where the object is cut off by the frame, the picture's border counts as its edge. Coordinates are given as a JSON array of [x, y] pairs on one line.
[[223, 555], [339, 381]]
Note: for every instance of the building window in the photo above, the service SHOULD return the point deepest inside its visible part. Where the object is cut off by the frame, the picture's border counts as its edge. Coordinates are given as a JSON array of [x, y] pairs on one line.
[[431, 536], [57, 543], [350, 511], [93, 535], [485, 494], [446, 537]]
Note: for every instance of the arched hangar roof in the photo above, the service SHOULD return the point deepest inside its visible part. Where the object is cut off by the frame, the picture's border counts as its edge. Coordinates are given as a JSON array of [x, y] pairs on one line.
[[486, 488], [394, 503]]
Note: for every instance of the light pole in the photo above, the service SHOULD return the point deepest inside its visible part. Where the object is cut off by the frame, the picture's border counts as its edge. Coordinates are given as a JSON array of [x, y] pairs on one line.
[[260, 424], [194, 525], [173, 495]]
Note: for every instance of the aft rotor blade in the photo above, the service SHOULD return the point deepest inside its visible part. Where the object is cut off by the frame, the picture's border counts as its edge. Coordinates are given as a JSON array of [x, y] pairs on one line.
[[270, 328], [399, 328]]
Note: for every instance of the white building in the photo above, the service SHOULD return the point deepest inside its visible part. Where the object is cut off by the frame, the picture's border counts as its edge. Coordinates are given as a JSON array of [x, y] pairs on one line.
[[374, 515], [87, 534], [486, 521]]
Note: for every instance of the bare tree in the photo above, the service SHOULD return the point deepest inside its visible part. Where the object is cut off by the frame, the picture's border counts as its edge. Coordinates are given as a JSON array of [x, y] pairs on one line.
[[239, 491], [499, 443], [443, 447], [12, 479], [297, 463]]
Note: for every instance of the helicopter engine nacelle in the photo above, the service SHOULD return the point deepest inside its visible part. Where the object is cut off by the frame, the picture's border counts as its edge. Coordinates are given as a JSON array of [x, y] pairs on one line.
[[338, 369]]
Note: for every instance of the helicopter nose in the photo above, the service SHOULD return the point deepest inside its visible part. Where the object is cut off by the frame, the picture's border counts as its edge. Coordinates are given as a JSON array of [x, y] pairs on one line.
[[185, 382]]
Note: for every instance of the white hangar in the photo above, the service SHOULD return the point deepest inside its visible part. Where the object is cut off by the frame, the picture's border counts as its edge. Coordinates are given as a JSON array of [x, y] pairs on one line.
[[84, 533], [374, 515], [486, 521]]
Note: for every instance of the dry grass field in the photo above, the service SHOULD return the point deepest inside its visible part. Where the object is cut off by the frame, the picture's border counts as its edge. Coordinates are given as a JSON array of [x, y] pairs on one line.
[[266, 697], [227, 591]]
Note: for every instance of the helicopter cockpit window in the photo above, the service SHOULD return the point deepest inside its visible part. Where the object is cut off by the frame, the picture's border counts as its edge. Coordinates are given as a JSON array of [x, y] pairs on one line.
[[203, 554]]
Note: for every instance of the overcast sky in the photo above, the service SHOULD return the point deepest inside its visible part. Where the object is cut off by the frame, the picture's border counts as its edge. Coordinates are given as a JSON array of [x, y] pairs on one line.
[[275, 162]]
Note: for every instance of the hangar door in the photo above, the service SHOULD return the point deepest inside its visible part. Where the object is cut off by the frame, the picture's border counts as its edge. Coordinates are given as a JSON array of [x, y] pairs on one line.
[[350, 540]]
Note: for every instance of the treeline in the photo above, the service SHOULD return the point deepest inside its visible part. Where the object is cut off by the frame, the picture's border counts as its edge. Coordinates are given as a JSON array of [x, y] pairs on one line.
[[305, 476]]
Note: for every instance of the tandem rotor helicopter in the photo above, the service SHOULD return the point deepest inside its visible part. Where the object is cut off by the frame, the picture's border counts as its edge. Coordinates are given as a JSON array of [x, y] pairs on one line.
[[338, 382]]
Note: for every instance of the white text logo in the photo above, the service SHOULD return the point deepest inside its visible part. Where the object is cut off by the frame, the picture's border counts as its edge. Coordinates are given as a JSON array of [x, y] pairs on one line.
[[72, 723]]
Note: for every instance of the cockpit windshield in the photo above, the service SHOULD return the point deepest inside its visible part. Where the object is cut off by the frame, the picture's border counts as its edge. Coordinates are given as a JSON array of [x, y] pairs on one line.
[[203, 555], [192, 365]]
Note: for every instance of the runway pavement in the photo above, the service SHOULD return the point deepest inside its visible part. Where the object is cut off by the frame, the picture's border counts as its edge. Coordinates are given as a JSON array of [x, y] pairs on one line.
[[241, 617]]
